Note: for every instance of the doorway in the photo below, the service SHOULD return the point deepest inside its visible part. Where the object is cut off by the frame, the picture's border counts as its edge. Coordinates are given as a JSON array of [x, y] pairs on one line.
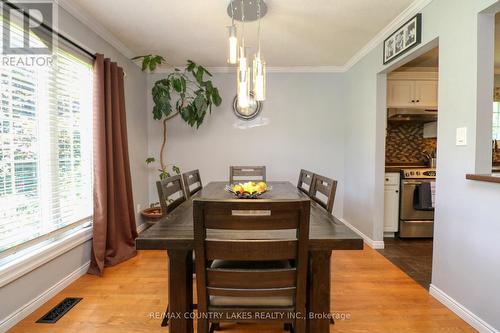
[[410, 165]]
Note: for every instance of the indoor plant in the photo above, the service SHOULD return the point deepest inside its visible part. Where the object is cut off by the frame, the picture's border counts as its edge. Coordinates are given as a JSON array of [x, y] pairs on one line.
[[184, 92]]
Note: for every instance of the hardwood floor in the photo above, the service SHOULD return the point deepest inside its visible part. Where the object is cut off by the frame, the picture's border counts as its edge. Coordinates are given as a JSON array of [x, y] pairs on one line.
[[370, 292], [412, 256]]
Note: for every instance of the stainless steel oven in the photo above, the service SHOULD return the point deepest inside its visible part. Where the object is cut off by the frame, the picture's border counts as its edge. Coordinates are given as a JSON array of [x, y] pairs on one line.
[[412, 222]]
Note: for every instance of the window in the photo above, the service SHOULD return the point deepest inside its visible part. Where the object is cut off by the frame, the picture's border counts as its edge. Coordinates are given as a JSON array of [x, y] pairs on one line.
[[496, 121], [45, 148]]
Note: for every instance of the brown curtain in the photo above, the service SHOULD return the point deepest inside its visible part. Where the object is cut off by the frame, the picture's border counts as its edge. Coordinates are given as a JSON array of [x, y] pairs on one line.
[[114, 219]]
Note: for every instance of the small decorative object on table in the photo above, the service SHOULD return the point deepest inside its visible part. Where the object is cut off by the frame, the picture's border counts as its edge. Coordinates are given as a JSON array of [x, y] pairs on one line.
[[249, 190]]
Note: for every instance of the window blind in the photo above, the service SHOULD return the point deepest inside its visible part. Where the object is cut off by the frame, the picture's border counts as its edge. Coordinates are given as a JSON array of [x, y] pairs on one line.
[[496, 120], [45, 147]]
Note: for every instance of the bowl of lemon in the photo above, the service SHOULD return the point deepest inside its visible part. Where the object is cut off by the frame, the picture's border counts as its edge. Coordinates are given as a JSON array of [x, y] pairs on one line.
[[249, 190]]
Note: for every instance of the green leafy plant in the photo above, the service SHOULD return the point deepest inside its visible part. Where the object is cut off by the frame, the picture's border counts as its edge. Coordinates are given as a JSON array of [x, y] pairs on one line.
[[188, 93]]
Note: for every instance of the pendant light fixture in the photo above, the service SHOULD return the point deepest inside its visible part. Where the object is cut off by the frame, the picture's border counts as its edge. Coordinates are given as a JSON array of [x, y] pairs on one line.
[[255, 80], [259, 66], [243, 68], [233, 40]]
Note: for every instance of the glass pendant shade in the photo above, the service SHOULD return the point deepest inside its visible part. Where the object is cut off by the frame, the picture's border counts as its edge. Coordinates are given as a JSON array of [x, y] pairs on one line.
[[243, 80], [259, 78], [233, 45]]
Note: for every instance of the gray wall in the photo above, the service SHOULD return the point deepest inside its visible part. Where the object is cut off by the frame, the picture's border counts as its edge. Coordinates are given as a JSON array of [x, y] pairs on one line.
[[467, 222], [305, 130], [23, 290]]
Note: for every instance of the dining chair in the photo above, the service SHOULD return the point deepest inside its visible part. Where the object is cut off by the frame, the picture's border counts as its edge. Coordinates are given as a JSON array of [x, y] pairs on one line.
[[171, 193], [242, 268], [305, 177], [327, 188], [190, 178], [246, 173]]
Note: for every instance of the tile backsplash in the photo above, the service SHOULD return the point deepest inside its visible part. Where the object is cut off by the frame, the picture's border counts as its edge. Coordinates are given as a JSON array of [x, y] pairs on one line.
[[405, 143]]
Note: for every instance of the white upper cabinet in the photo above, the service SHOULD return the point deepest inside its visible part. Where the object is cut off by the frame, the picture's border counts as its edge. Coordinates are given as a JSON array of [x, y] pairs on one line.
[[412, 90], [426, 94], [400, 93]]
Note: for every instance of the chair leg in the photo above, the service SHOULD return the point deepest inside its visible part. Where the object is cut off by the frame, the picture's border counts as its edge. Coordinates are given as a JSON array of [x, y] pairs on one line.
[[300, 326], [164, 322], [214, 327], [202, 325]]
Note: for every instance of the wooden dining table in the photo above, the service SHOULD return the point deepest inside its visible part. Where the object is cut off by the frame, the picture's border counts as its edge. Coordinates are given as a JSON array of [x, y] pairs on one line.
[[174, 233]]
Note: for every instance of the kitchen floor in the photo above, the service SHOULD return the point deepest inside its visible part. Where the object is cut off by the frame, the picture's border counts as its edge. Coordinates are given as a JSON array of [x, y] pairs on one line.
[[412, 256]]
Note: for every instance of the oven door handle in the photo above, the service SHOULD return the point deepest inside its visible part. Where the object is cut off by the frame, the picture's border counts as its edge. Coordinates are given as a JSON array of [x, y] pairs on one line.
[[412, 182]]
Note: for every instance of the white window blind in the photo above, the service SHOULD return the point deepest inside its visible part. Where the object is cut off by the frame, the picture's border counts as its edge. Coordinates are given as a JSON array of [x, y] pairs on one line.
[[496, 120], [45, 148]]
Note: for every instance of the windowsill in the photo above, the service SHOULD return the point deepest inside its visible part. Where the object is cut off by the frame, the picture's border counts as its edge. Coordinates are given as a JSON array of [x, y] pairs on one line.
[[490, 178], [18, 267]]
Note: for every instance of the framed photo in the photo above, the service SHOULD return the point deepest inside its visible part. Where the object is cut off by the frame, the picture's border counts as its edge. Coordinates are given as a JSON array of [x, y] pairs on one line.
[[403, 39]]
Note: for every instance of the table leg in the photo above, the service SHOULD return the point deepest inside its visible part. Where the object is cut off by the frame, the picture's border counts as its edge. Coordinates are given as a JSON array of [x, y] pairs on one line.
[[180, 290], [319, 291]]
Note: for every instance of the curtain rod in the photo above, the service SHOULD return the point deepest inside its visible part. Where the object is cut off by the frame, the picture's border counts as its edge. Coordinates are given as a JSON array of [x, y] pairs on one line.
[[49, 28]]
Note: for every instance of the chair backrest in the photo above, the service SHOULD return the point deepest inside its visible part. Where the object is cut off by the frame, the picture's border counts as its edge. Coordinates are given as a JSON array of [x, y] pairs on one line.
[[246, 173], [190, 178], [171, 193], [305, 177], [325, 186], [234, 220]]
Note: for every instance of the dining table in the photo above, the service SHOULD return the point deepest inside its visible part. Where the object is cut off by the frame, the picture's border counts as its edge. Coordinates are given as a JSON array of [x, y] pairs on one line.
[[174, 233]]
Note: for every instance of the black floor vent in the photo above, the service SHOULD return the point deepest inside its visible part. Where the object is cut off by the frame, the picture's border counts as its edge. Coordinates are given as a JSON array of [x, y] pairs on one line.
[[59, 310]]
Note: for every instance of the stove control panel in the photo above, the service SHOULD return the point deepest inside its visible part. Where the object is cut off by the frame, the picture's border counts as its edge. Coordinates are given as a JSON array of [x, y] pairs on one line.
[[419, 173]]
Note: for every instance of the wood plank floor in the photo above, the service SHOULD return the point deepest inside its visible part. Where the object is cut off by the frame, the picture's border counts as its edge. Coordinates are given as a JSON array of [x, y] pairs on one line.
[[370, 292]]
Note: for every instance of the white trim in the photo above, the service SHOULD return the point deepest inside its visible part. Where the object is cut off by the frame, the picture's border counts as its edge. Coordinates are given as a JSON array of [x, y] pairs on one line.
[[461, 311], [38, 301], [415, 7], [291, 69], [376, 245], [95, 26], [25, 264]]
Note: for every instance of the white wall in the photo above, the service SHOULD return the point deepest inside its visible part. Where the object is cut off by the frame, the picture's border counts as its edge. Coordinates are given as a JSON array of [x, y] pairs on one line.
[[467, 222], [23, 291], [306, 130]]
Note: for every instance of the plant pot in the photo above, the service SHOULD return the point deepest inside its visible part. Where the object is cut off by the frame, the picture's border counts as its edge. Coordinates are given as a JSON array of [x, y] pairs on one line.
[[152, 214]]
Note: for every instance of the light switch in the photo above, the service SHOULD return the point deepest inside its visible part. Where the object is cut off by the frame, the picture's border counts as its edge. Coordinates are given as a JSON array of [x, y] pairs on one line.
[[462, 136]]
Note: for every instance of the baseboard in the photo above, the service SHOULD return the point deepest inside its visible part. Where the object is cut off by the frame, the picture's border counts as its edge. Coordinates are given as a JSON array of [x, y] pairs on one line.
[[38, 301], [461, 311], [376, 245]]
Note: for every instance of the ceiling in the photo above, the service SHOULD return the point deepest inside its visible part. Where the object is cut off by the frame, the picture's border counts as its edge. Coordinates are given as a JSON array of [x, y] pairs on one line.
[[295, 32], [428, 59]]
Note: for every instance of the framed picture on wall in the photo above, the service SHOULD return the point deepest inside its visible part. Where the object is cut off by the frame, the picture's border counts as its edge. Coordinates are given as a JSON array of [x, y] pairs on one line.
[[403, 39]]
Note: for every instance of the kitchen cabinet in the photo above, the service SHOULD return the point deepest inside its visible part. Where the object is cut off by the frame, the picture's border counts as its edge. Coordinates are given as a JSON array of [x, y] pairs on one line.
[[426, 94], [391, 202], [400, 93], [412, 90]]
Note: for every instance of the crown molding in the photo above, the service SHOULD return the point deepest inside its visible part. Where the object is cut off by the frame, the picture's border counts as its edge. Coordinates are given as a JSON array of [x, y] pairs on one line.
[[290, 69], [415, 7], [95, 26]]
